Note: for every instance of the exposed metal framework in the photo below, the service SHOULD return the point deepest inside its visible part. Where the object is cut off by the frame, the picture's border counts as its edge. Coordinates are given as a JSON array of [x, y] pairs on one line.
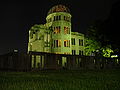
[[59, 8]]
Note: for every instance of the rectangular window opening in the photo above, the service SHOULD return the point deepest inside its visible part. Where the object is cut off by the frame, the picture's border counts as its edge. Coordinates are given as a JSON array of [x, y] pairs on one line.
[[73, 41]]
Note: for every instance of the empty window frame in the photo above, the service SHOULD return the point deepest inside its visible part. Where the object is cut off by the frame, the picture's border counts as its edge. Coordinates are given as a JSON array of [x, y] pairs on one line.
[[67, 18], [80, 42], [73, 41], [57, 43], [56, 18], [66, 30], [57, 30], [66, 43], [73, 52]]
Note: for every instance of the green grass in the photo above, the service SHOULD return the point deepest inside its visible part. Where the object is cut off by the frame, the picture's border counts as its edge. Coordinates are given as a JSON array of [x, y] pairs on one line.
[[61, 80]]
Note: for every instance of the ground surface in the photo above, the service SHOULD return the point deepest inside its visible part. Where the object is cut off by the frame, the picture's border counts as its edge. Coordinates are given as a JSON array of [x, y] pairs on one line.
[[61, 80]]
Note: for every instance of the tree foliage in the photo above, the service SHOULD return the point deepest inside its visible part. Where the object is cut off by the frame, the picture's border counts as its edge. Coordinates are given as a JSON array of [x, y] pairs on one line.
[[106, 51], [96, 42], [91, 45]]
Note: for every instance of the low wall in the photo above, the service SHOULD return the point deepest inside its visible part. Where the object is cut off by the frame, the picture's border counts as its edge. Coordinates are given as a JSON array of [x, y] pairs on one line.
[[42, 60]]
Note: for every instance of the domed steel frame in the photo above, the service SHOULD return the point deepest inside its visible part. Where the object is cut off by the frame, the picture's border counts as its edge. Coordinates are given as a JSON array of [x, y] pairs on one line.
[[59, 8]]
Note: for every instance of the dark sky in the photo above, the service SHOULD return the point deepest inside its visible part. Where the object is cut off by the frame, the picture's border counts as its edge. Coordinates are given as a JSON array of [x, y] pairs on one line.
[[16, 18]]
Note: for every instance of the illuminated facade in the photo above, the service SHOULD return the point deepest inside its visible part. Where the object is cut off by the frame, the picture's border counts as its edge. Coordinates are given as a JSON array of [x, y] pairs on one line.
[[55, 36]]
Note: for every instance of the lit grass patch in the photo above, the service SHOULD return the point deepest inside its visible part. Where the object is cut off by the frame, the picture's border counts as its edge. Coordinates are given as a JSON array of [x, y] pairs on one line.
[[60, 80]]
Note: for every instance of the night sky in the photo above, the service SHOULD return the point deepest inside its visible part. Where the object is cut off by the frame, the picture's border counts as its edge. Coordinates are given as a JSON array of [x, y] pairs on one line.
[[16, 18]]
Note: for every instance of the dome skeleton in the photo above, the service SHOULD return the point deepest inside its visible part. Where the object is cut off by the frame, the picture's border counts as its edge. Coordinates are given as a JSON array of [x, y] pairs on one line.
[[59, 8]]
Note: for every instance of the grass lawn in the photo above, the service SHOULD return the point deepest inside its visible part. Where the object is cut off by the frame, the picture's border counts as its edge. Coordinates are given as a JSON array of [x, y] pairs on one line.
[[61, 80]]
